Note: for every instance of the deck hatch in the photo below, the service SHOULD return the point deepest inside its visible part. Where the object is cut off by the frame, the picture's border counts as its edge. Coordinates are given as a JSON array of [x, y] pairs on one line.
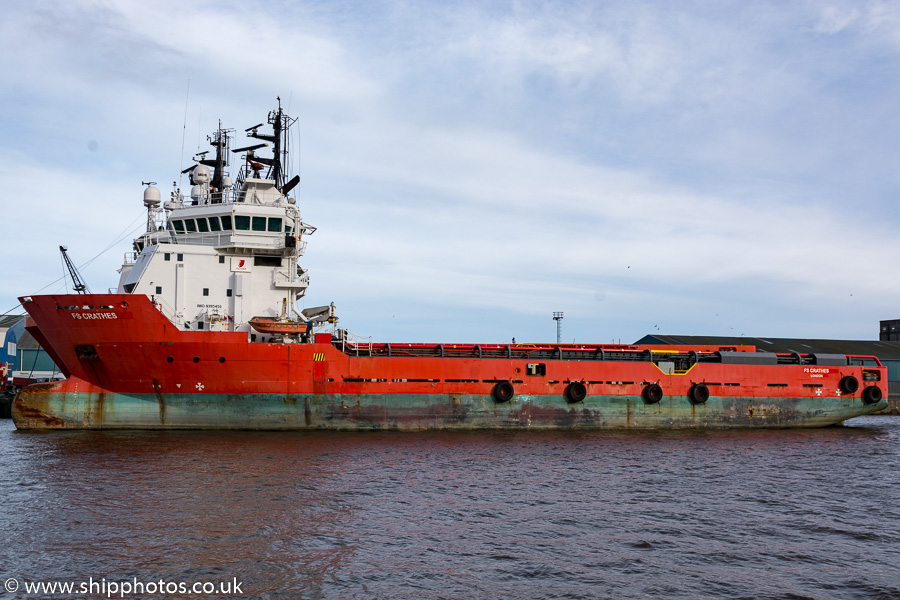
[[749, 358]]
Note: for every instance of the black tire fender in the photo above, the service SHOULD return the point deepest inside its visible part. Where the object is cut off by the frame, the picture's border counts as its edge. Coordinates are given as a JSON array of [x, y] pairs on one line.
[[872, 395], [652, 393], [849, 384], [699, 393], [576, 392], [503, 392]]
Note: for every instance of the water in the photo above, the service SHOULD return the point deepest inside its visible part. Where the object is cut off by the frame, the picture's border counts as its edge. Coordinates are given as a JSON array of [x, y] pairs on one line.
[[735, 514]]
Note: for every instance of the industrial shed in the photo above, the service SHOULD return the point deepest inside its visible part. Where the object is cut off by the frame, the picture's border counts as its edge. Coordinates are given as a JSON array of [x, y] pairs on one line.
[[21, 354]]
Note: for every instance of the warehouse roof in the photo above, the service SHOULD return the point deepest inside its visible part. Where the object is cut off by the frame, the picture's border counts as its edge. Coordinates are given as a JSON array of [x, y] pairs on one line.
[[7, 321], [883, 350]]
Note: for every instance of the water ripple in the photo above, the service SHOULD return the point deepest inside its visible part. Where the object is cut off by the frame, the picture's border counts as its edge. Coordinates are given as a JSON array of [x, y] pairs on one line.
[[747, 514]]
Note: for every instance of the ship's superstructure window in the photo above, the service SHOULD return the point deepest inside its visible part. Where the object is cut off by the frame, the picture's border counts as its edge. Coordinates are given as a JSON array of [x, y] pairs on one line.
[[221, 260], [168, 256], [190, 226], [178, 225], [259, 223], [180, 256], [242, 222], [214, 224], [202, 225], [226, 222], [267, 261], [206, 291], [275, 224], [228, 293], [159, 289]]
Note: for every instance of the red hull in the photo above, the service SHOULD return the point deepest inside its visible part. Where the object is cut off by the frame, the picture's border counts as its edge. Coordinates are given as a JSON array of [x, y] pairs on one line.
[[122, 344]]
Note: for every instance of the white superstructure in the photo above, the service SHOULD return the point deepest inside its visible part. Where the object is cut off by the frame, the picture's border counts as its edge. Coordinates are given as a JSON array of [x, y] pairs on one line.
[[229, 252]]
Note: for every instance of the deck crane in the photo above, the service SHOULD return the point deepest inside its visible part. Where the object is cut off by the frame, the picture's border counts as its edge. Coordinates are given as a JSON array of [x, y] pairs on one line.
[[77, 282]]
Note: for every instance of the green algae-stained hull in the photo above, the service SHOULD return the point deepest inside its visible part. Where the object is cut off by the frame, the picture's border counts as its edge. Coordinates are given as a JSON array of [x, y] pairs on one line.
[[38, 408]]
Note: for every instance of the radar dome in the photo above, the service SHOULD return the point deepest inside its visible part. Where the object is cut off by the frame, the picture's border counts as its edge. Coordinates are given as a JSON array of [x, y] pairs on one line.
[[151, 197], [200, 175]]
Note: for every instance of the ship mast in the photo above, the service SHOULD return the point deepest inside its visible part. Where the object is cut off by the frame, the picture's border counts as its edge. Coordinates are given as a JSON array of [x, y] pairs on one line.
[[281, 124], [220, 140]]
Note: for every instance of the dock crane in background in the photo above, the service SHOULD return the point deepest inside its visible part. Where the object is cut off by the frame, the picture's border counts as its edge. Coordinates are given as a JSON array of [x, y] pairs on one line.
[[77, 282]]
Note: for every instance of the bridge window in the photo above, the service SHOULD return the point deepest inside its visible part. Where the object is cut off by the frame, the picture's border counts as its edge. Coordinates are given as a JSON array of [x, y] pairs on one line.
[[226, 222], [190, 226], [242, 222], [202, 226], [259, 223], [179, 226], [275, 224], [214, 224]]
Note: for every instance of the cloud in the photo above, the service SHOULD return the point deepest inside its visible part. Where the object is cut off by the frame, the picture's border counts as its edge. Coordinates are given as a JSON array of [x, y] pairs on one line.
[[877, 19], [526, 231], [49, 207], [480, 166], [834, 19]]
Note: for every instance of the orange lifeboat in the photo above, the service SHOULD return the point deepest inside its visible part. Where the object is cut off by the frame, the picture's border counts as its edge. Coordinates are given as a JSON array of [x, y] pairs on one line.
[[272, 325]]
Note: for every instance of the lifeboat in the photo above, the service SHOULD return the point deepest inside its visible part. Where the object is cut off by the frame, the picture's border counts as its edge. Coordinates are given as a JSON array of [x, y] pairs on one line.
[[272, 325]]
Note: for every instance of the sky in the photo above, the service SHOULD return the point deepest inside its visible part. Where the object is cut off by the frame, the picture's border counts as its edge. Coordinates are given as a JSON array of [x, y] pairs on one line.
[[691, 168]]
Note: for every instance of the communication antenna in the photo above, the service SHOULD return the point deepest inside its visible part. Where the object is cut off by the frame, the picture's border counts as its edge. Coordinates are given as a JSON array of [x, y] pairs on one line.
[[184, 129], [558, 317]]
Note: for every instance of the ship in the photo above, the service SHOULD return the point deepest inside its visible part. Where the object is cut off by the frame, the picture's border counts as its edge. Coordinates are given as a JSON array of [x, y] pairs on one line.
[[204, 332]]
